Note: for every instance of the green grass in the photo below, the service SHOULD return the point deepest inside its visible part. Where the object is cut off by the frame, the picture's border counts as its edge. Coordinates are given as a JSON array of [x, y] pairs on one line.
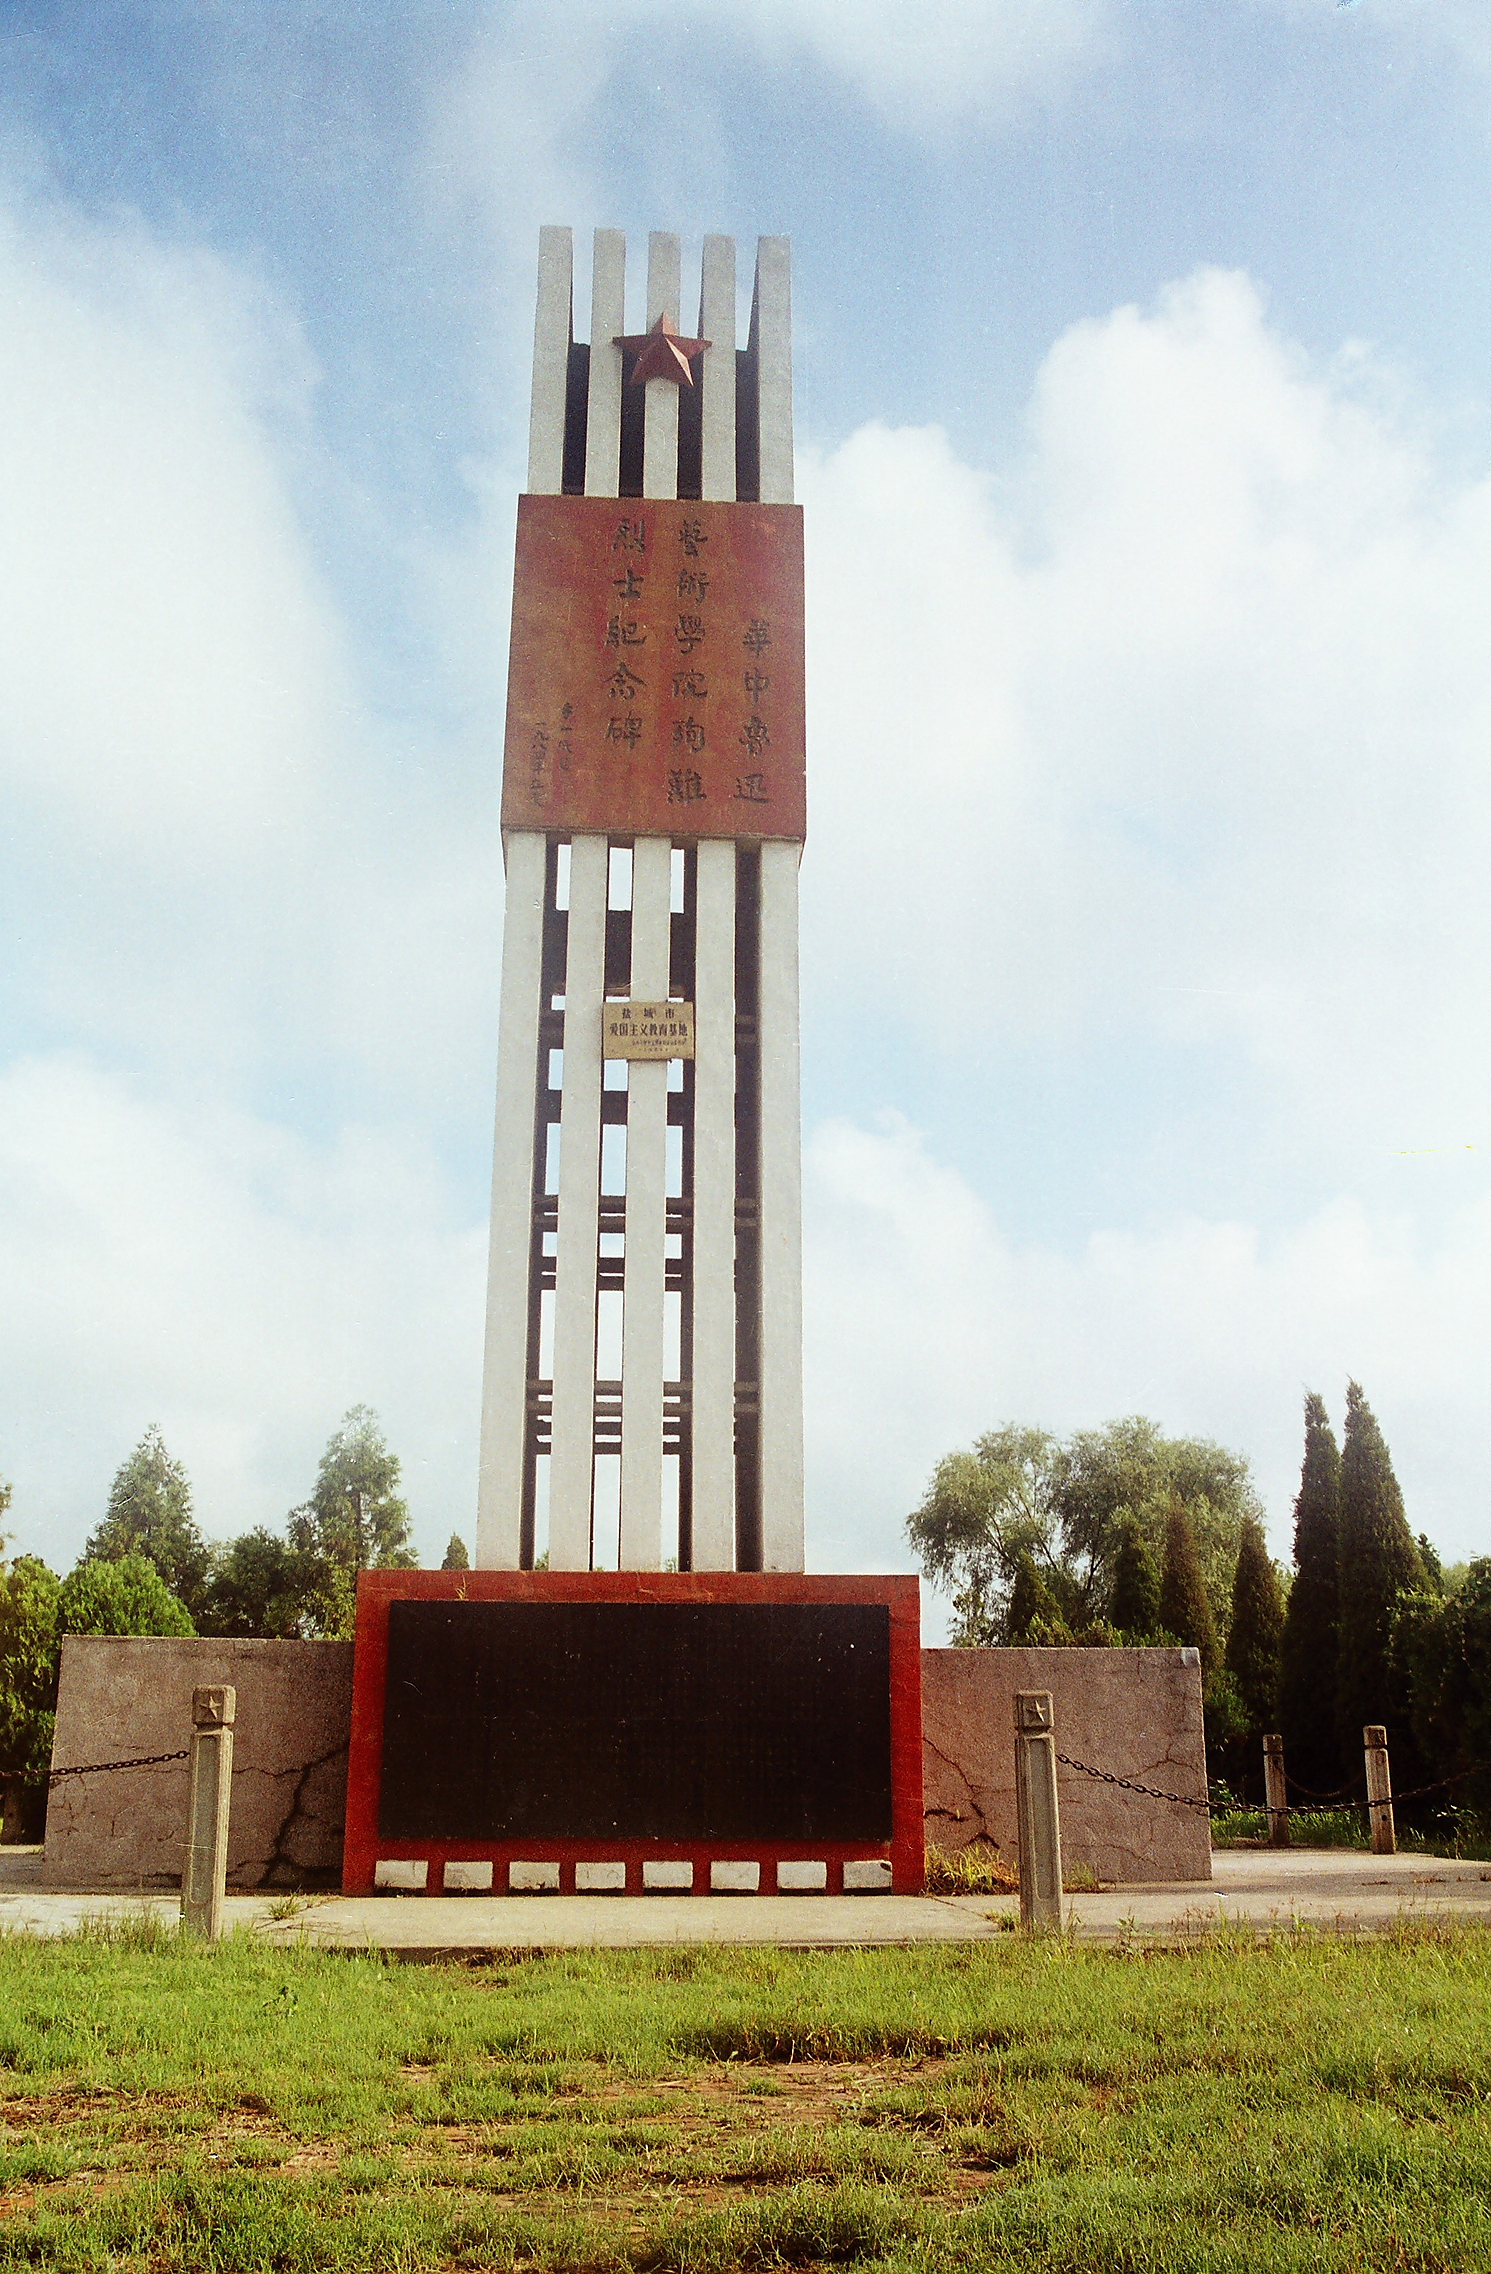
[[1302, 2102]]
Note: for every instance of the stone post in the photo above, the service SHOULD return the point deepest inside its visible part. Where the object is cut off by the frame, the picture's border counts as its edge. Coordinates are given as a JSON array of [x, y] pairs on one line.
[[1379, 1791], [1036, 1810], [1275, 1792], [205, 1868]]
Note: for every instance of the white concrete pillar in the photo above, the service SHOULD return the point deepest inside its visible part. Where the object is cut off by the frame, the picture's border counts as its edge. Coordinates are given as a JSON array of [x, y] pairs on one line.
[[572, 1462], [646, 1225], [773, 330], [660, 430], [782, 1542], [714, 1209], [603, 402], [553, 329], [504, 1401], [714, 372]]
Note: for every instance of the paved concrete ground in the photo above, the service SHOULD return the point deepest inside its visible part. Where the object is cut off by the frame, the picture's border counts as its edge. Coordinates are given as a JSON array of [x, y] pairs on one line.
[[1327, 1888]]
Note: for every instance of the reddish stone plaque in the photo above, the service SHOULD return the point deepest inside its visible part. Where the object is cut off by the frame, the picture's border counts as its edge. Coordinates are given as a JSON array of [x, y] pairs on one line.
[[655, 683]]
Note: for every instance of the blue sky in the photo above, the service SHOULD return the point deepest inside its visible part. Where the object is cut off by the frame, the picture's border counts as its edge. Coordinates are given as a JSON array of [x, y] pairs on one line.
[[1143, 357]]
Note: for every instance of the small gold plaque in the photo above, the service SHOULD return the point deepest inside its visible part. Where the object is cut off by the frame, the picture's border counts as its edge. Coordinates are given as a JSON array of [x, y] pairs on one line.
[[649, 1030]]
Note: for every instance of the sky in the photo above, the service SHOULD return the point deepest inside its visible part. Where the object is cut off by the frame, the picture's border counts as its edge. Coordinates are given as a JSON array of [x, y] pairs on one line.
[[1143, 364]]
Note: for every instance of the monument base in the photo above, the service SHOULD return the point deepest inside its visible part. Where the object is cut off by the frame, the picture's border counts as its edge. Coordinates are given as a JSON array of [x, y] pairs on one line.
[[704, 1731]]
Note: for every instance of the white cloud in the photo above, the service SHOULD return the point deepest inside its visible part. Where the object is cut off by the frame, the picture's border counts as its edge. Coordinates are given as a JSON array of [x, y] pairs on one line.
[[927, 1324], [235, 1282], [1186, 722]]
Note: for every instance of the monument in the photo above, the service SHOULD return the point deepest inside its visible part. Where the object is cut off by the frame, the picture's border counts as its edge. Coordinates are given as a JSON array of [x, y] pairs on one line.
[[637, 1685]]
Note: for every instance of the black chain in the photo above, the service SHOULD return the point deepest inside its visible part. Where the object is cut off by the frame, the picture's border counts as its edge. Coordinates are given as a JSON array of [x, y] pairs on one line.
[[97, 1768], [1127, 1784]]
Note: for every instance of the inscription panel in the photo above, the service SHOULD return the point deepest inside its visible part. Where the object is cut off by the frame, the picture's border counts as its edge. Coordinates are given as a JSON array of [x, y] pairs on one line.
[[655, 680], [739, 1722]]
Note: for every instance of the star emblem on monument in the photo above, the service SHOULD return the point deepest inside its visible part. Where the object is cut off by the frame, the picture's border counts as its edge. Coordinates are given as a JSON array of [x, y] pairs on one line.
[[661, 354]]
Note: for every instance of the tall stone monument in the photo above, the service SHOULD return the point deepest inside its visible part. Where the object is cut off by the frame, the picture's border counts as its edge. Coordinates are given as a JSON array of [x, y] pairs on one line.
[[644, 1294]]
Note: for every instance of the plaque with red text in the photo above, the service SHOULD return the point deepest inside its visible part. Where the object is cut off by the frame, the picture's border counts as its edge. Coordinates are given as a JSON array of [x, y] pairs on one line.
[[655, 682]]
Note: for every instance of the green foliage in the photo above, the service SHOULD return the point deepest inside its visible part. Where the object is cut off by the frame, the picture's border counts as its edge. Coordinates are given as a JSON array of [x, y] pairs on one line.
[[150, 1514], [1442, 1656], [1254, 1629], [123, 1596], [1031, 1603], [1309, 1646], [28, 1666], [1378, 1562], [455, 1557], [1185, 1607], [1134, 1606], [355, 1520], [1270, 2103], [256, 1588], [1064, 1506]]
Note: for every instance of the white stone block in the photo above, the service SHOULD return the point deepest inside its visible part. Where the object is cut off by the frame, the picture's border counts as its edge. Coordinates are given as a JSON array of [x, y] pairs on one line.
[[734, 1878], [660, 1878], [871, 1876], [801, 1878], [467, 1877], [400, 1871], [533, 1878], [600, 1878]]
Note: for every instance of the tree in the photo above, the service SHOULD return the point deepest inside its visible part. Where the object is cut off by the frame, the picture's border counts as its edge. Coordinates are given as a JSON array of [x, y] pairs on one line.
[[355, 1520], [150, 1514], [1309, 1645], [1377, 1562], [1031, 1603], [1065, 1506], [455, 1557], [257, 1588], [1254, 1629], [1185, 1608], [124, 1596], [1134, 1607], [1442, 1656], [28, 1667]]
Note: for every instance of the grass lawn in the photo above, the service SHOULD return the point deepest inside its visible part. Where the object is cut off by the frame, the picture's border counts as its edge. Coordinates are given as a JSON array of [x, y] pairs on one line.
[[1309, 2102]]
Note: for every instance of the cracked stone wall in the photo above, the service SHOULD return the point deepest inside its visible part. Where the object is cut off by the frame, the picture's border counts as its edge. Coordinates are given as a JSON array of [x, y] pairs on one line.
[[124, 1696], [1135, 1713]]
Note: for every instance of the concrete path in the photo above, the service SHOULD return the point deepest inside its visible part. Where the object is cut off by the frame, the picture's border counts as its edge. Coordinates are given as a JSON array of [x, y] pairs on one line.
[[1326, 1888]]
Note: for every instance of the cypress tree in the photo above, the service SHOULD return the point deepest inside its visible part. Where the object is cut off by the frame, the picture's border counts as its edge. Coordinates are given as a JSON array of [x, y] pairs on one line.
[[1135, 1606], [1254, 1629], [1377, 1562], [1308, 1650], [150, 1514], [1184, 1609], [455, 1557], [1030, 1599]]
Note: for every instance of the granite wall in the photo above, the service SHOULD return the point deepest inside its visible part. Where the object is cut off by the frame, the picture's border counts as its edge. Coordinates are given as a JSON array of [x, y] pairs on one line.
[[124, 1696], [1135, 1713]]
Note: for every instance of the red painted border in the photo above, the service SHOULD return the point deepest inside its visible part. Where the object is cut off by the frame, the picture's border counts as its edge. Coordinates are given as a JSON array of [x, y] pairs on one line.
[[377, 1589]]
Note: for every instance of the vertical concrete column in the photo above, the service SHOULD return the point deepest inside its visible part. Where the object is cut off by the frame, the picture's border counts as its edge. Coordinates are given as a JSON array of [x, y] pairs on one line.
[[773, 330], [1275, 1792], [1036, 1810], [714, 1209], [499, 1502], [553, 330], [603, 399], [1379, 1790], [782, 1539], [660, 419], [644, 1271], [204, 1872], [572, 1461], [715, 369]]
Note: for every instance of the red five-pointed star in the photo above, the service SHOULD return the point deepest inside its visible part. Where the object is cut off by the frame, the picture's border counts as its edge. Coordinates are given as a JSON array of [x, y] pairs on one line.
[[661, 354]]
